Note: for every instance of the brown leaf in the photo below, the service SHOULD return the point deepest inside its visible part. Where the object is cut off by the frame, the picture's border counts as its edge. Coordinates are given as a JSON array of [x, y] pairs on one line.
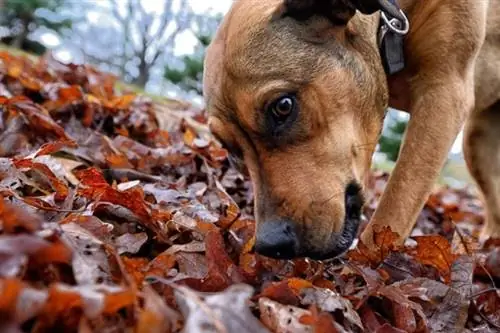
[[15, 219], [161, 265], [393, 293], [446, 306], [404, 319], [329, 301], [286, 291], [15, 251], [55, 146], [130, 243], [92, 224], [384, 240], [492, 263], [222, 271], [321, 322], [58, 185], [387, 328], [435, 251], [156, 316], [10, 291], [38, 118]]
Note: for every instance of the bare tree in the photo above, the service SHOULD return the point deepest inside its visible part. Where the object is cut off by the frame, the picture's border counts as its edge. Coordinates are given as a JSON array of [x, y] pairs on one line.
[[128, 39]]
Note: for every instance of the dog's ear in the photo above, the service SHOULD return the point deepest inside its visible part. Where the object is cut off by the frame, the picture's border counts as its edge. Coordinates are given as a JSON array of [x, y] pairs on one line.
[[339, 12]]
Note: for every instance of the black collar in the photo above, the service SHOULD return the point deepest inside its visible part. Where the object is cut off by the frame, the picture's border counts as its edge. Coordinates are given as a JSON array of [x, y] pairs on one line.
[[393, 27]]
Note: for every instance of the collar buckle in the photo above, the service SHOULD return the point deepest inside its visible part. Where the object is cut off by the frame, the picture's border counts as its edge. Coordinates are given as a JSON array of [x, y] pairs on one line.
[[395, 25]]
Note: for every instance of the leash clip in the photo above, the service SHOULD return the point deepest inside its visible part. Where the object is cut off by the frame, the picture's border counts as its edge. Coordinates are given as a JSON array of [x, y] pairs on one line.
[[395, 25]]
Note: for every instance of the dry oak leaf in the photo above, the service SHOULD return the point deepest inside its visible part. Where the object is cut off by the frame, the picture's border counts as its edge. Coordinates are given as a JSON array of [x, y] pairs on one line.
[[222, 271], [446, 306], [226, 311], [38, 118], [329, 301], [385, 241]]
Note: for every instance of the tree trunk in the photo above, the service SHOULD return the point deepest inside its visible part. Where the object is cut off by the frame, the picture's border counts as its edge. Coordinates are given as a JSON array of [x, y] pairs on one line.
[[20, 39], [142, 79]]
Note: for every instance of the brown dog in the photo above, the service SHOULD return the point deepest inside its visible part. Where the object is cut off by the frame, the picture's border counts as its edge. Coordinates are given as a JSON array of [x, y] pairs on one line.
[[297, 90]]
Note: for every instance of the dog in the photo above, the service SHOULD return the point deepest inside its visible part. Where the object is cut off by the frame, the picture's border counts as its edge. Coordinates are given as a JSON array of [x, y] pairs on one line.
[[297, 91]]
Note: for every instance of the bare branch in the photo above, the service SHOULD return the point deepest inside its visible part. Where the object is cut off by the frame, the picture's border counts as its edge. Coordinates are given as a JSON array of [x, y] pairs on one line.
[[186, 15], [116, 13], [165, 19]]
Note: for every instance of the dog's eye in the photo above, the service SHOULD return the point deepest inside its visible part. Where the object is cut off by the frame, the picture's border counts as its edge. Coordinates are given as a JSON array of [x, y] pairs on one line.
[[283, 107]]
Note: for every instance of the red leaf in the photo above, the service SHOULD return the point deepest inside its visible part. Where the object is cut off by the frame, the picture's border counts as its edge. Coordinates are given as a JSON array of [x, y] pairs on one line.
[[54, 147], [222, 271], [286, 291], [99, 190]]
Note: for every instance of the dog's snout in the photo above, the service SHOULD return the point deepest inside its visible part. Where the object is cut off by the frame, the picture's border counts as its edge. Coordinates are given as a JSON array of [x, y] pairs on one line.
[[277, 239]]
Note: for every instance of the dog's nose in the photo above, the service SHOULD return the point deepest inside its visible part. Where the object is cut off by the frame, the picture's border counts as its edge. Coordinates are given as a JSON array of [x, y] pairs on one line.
[[277, 239]]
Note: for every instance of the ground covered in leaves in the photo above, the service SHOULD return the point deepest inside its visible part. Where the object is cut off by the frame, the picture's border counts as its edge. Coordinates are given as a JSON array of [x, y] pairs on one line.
[[122, 215]]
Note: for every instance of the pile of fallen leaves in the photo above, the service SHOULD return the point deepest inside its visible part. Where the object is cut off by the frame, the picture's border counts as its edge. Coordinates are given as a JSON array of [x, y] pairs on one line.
[[118, 214]]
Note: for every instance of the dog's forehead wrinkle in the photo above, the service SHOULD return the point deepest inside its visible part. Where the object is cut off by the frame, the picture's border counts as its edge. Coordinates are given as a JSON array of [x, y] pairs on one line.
[[250, 58]]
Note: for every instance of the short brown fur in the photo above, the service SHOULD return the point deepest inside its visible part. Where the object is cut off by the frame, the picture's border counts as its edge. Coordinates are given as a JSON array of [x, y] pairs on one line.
[[452, 74]]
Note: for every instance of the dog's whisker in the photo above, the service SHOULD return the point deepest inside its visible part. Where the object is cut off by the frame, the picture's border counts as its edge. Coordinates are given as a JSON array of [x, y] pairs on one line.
[[369, 144], [330, 198]]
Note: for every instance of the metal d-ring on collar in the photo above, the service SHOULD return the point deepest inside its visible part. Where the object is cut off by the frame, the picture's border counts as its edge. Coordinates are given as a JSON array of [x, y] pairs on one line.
[[391, 39], [395, 24]]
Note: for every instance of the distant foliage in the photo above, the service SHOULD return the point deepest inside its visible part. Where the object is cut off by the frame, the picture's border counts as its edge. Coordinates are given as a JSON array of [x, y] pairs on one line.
[[135, 41], [23, 17], [190, 76], [390, 142]]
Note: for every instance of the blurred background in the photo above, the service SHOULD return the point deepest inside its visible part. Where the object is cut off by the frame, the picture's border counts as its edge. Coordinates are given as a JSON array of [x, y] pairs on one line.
[[155, 47]]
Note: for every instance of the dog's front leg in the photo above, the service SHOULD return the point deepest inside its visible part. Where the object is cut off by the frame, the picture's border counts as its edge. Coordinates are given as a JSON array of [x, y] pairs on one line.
[[438, 110], [441, 96]]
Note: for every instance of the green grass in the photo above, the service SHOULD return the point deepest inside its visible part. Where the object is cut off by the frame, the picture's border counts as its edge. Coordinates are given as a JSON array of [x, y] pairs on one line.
[[17, 52]]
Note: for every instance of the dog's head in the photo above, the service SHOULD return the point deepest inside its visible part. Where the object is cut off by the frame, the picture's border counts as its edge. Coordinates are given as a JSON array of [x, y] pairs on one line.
[[296, 91]]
